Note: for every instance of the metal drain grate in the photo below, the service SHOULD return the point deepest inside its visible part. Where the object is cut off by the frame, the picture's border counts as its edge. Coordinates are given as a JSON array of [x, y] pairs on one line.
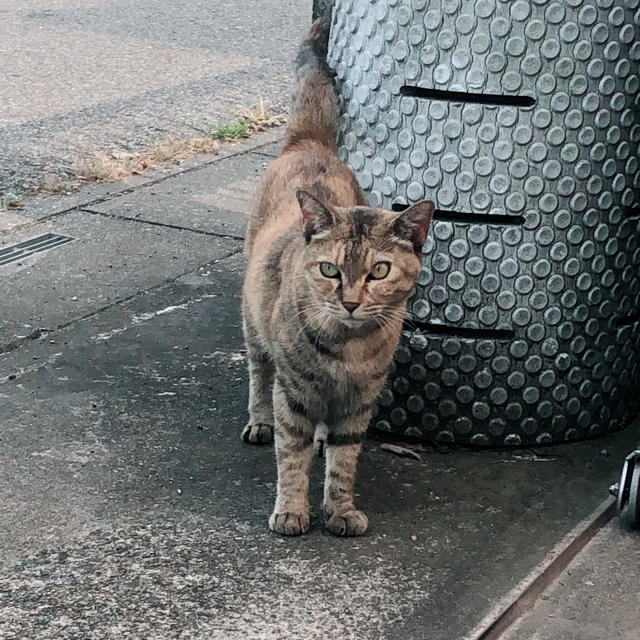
[[27, 248]]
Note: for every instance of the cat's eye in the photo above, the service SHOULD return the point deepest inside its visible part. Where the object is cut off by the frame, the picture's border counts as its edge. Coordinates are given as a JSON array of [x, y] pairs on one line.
[[329, 270], [380, 270]]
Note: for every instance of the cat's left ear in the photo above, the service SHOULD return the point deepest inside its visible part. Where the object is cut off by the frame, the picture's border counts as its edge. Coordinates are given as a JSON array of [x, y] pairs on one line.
[[316, 217], [413, 223]]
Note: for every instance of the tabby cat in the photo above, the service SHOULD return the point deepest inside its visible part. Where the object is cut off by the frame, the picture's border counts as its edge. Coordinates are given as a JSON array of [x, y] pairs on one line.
[[324, 298]]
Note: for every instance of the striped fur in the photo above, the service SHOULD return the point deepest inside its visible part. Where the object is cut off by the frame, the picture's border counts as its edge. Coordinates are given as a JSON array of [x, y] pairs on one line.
[[316, 368]]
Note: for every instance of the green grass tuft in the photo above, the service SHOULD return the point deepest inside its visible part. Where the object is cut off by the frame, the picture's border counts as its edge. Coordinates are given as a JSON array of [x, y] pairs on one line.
[[231, 130], [11, 201]]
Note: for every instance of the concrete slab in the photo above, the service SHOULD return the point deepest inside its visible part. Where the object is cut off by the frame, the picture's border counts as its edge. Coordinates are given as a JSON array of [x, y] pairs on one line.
[[109, 260], [595, 598], [217, 198], [129, 507]]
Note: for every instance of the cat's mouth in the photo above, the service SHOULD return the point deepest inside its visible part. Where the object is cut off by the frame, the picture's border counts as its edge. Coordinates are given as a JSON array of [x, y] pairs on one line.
[[349, 320], [352, 322]]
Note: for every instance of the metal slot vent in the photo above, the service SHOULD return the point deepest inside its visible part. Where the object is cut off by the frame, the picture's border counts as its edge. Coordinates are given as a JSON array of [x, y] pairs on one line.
[[473, 98], [628, 320], [459, 332], [468, 218], [22, 250]]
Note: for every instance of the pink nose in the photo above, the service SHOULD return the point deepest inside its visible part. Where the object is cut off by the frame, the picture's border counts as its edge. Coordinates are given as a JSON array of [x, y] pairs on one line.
[[350, 306]]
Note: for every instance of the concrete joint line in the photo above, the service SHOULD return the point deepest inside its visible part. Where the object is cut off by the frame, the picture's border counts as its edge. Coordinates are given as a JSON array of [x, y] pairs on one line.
[[524, 596], [165, 225], [42, 332]]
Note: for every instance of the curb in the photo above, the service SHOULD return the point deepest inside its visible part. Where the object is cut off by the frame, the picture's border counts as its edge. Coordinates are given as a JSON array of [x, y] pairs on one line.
[[40, 209], [524, 596]]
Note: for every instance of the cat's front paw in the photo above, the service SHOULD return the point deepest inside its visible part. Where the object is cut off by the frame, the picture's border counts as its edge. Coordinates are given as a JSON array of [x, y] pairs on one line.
[[348, 523], [288, 523], [258, 433]]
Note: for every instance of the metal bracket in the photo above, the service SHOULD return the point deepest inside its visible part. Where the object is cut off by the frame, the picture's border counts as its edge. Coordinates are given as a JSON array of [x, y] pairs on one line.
[[627, 489]]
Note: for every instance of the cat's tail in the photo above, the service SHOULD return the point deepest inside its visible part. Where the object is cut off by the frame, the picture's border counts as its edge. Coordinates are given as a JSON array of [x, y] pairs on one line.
[[314, 108]]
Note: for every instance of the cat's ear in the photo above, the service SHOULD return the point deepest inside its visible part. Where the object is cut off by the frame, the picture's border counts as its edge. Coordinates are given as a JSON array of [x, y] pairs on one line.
[[316, 217], [413, 223]]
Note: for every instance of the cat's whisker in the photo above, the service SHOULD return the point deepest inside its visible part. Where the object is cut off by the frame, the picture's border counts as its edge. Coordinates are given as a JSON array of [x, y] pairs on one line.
[[317, 314], [395, 313], [322, 329], [301, 312], [380, 322], [387, 328]]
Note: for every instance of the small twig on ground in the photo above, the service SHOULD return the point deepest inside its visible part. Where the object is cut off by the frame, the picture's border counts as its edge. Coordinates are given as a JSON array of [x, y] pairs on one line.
[[398, 450]]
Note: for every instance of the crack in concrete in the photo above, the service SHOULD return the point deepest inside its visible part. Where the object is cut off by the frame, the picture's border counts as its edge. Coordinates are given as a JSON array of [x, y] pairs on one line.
[[43, 332], [521, 599], [138, 319], [23, 371]]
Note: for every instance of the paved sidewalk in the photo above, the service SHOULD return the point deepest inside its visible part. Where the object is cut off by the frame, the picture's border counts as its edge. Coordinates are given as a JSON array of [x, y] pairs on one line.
[[129, 508]]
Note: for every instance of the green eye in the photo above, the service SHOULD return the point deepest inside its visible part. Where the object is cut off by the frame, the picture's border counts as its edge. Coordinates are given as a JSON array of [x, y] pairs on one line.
[[329, 270], [380, 270]]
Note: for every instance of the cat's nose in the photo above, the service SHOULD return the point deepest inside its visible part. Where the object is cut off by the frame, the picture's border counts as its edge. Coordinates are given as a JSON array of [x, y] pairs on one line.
[[350, 306]]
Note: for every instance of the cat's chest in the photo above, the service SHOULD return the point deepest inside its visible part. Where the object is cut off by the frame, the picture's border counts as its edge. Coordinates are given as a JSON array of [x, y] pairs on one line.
[[342, 378]]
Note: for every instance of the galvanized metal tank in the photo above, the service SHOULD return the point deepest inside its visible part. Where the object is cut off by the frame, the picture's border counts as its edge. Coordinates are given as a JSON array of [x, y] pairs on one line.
[[521, 120]]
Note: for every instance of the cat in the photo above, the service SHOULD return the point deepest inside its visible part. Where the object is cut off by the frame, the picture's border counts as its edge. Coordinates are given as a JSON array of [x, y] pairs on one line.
[[324, 297]]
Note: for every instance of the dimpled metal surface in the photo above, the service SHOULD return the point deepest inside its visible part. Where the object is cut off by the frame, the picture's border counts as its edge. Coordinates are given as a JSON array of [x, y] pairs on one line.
[[525, 330]]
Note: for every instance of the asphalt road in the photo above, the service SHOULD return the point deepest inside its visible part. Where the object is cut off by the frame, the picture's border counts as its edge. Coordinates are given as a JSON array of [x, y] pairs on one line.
[[81, 76]]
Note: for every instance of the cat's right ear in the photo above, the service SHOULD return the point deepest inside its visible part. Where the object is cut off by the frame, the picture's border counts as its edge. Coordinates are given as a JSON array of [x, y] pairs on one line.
[[316, 218], [413, 223]]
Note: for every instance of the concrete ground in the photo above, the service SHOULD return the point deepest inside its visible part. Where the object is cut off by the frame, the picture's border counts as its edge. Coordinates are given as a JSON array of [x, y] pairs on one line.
[[118, 75], [129, 508]]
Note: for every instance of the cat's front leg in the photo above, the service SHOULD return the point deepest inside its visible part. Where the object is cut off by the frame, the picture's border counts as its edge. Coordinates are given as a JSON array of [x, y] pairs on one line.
[[294, 450], [259, 429], [343, 448]]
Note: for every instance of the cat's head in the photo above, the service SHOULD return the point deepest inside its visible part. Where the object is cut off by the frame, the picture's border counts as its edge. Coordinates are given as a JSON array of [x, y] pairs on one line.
[[361, 263]]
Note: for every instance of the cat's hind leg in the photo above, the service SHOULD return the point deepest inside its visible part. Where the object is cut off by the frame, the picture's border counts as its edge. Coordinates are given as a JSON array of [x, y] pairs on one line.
[[259, 429]]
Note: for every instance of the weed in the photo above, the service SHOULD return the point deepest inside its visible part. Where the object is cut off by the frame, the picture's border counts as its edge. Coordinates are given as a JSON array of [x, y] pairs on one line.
[[231, 130], [259, 117], [54, 185], [174, 149], [252, 119], [11, 201], [103, 167]]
